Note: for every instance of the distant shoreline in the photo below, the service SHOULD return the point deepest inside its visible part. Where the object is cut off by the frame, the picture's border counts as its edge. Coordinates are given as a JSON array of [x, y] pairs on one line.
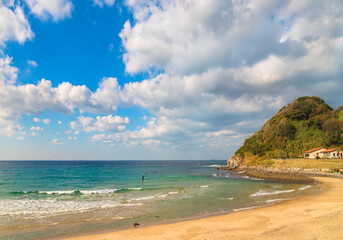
[[305, 217]]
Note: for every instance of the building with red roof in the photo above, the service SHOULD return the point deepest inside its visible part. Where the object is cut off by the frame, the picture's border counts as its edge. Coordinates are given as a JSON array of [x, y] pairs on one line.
[[313, 153], [323, 153]]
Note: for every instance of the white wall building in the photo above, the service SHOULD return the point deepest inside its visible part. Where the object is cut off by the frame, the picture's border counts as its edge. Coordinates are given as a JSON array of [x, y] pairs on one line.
[[323, 153], [329, 153], [313, 153]]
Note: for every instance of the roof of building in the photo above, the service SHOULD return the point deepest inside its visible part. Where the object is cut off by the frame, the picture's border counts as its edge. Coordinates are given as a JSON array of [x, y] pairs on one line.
[[315, 149], [328, 150]]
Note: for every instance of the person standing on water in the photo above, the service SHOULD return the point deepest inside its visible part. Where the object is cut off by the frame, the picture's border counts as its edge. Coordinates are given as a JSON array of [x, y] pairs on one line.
[[143, 179]]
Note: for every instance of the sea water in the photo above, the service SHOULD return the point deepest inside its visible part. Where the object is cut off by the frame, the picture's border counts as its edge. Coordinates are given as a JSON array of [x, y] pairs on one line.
[[44, 199]]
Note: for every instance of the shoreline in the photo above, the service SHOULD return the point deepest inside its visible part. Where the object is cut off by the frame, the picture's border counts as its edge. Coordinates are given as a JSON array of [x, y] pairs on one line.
[[289, 175], [305, 217]]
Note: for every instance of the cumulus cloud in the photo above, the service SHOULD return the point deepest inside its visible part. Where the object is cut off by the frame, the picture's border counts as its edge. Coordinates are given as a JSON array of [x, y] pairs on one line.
[[101, 3], [35, 119], [59, 122], [186, 37], [13, 24], [37, 128], [8, 73], [20, 138], [100, 124], [213, 66], [55, 9], [46, 121], [225, 62], [16, 100], [57, 142], [10, 128], [32, 99], [32, 63]]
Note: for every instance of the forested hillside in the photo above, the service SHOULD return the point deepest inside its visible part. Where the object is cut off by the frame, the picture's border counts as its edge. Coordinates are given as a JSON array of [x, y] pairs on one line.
[[306, 123]]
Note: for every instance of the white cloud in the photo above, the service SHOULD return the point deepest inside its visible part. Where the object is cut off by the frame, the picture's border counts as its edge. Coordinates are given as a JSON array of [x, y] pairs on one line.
[[59, 122], [186, 37], [99, 137], [101, 3], [16, 100], [220, 133], [10, 128], [213, 66], [55, 9], [20, 138], [30, 99], [35, 119], [121, 128], [39, 129], [223, 62], [32, 63], [72, 138], [8, 73], [14, 25], [46, 121], [100, 124], [151, 142], [57, 142]]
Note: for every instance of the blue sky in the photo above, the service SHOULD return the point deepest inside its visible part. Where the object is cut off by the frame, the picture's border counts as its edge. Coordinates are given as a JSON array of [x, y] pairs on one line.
[[156, 79]]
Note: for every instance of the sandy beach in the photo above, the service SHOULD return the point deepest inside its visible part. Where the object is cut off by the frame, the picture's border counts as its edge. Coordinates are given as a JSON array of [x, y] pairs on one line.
[[311, 217]]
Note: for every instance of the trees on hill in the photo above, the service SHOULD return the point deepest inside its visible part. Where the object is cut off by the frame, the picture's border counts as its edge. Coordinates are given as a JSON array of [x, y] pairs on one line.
[[306, 123]]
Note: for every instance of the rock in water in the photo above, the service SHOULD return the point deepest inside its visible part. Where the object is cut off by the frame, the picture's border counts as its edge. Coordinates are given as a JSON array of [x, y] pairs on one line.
[[234, 162]]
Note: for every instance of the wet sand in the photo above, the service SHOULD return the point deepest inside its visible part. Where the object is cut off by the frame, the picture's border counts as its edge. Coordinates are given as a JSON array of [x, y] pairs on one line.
[[311, 217]]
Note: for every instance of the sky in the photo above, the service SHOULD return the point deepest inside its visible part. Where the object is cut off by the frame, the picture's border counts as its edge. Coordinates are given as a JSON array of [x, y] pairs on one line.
[[158, 79]]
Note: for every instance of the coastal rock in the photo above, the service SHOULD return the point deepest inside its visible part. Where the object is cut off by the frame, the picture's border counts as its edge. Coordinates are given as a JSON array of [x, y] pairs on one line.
[[234, 162]]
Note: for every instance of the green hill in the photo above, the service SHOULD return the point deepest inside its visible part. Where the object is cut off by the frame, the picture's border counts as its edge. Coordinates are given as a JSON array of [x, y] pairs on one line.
[[306, 123]]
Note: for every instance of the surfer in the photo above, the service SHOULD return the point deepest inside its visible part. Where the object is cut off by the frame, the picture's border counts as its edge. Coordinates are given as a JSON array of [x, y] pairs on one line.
[[143, 179]]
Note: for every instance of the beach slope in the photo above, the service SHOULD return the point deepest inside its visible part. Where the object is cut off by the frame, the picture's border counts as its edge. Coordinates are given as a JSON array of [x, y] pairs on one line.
[[311, 217]]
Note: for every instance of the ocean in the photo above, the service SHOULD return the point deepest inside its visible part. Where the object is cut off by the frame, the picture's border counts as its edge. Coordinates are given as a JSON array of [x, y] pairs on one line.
[[53, 199]]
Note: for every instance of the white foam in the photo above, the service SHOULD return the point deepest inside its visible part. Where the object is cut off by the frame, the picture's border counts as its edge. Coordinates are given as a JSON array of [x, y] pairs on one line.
[[246, 208], [263, 193], [85, 192], [137, 189], [257, 179], [212, 165], [304, 187], [163, 196], [43, 208], [204, 186], [141, 198], [171, 193], [57, 192], [230, 198], [103, 191], [277, 200]]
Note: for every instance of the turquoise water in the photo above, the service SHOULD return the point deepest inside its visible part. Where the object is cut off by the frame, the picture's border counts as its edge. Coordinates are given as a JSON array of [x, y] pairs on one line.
[[43, 199]]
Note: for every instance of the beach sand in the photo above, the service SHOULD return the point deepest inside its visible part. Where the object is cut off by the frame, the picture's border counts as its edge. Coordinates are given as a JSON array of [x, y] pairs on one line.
[[311, 217]]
